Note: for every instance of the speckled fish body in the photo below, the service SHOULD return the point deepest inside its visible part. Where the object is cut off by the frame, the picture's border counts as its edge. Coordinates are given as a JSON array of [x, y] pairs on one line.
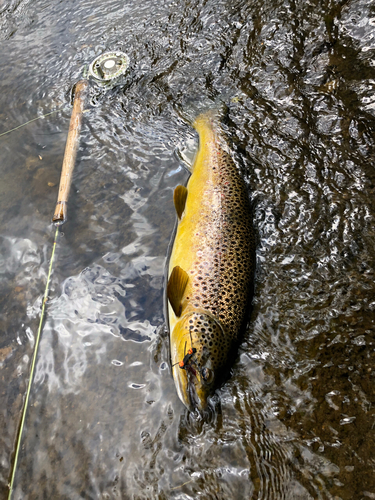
[[210, 269]]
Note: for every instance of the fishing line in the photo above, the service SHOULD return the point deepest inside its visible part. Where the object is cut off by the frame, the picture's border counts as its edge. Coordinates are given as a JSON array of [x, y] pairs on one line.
[[33, 362], [33, 120], [181, 485]]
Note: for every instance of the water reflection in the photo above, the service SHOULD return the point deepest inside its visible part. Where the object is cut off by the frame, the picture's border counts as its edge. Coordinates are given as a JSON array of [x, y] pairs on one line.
[[295, 420]]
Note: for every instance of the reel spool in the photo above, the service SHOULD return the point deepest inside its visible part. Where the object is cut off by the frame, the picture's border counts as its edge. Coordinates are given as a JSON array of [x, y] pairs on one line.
[[108, 68]]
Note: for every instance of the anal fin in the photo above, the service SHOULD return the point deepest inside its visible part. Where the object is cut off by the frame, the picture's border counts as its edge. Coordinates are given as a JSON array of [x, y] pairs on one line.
[[176, 287], [179, 199]]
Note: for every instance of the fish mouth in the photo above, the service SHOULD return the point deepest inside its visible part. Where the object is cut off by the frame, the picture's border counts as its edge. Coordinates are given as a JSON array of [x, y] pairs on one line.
[[196, 402], [185, 386], [193, 397], [187, 380]]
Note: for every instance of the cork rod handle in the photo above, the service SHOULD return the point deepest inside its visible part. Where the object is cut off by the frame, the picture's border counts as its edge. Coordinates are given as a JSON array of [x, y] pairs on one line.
[[70, 154]]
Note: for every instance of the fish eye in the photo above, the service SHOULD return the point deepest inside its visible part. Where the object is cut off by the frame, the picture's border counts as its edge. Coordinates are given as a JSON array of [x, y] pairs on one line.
[[207, 374]]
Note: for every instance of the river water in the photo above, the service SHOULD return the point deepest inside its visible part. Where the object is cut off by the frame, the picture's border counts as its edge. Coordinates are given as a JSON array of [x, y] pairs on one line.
[[296, 418]]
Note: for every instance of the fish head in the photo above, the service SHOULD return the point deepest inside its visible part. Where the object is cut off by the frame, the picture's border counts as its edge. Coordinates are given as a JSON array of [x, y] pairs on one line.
[[200, 351]]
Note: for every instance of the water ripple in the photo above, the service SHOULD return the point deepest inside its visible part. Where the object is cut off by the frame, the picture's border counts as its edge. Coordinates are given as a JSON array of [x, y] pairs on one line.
[[294, 420]]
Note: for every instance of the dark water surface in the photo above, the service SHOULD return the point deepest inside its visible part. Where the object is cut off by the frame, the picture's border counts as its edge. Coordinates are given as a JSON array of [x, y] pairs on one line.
[[297, 419]]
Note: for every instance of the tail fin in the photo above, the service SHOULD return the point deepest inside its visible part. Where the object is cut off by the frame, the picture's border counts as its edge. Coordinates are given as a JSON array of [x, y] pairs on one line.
[[194, 112], [192, 108]]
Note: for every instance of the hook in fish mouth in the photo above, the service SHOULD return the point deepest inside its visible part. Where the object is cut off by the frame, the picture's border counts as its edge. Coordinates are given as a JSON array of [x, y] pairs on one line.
[[189, 365], [188, 377]]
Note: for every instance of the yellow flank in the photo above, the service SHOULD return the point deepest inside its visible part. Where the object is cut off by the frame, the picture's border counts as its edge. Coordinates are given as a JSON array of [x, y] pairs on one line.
[[200, 199]]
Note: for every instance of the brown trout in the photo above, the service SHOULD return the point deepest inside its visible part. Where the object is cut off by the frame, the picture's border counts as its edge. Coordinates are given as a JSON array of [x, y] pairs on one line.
[[211, 268]]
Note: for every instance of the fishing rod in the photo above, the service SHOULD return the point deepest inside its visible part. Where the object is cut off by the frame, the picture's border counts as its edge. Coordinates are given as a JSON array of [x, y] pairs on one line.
[[105, 71]]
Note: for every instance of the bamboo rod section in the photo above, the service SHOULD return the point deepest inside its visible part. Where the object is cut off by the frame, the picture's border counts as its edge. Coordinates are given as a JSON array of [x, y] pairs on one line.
[[70, 154]]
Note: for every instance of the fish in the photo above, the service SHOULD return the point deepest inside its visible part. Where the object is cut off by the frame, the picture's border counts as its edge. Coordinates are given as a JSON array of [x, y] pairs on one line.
[[211, 268]]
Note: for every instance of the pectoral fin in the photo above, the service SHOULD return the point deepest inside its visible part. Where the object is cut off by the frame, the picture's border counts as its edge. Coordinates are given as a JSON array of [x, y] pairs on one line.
[[179, 198], [176, 287]]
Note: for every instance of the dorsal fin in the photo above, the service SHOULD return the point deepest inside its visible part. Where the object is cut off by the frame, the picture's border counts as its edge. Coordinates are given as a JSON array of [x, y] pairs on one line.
[[175, 289], [179, 199]]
